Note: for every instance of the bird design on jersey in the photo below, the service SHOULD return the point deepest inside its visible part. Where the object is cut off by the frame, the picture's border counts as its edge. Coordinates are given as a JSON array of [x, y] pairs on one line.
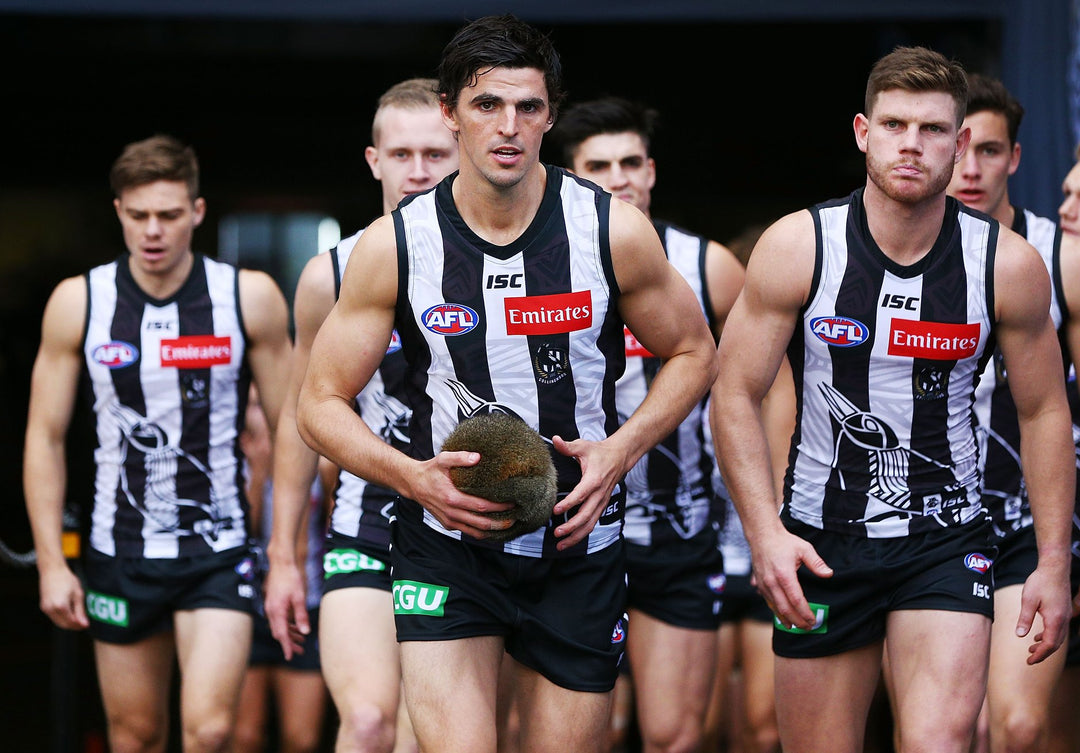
[[159, 501]]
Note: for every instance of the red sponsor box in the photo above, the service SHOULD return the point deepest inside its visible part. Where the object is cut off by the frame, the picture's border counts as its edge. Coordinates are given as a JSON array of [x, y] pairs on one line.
[[933, 340], [196, 351], [633, 345], [548, 314]]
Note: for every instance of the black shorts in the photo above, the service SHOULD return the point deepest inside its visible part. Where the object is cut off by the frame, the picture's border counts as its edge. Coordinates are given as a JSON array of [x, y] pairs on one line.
[[947, 569], [348, 563], [266, 651], [1017, 557], [131, 598], [680, 583], [742, 601], [562, 617]]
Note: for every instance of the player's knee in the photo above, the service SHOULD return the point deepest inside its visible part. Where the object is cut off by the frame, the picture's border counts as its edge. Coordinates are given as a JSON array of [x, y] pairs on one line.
[[684, 738], [303, 739], [764, 739], [136, 736], [208, 735], [249, 739], [366, 728], [1023, 731]]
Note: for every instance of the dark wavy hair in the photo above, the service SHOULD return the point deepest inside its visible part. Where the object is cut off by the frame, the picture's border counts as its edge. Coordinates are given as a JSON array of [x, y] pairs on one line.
[[494, 41]]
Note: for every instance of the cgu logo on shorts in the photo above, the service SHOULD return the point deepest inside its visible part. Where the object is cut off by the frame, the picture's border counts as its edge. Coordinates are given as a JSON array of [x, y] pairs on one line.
[[413, 597], [821, 622], [548, 314], [115, 355], [108, 609], [196, 351], [839, 331], [977, 563], [338, 561], [936, 341]]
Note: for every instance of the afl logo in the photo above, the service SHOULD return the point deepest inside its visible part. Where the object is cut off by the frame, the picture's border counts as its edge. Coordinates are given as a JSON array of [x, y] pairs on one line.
[[977, 563], [450, 319], [116, 354], [618, 635], [395, 343], [839, 331]]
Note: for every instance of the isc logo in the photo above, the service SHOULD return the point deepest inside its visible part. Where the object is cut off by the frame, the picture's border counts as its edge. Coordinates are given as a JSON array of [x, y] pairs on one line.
[[839, 331], [115, 354], [450, 319]]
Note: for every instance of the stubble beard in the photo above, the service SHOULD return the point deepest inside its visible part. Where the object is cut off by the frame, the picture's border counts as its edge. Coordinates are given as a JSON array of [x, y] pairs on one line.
[[905, 191]]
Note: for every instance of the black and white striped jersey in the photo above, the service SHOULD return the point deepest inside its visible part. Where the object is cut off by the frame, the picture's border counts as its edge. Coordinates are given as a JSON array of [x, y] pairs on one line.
[[1004, 493], [169, 383], [363, 510], [668, 491], [529, 329], [885, 361]]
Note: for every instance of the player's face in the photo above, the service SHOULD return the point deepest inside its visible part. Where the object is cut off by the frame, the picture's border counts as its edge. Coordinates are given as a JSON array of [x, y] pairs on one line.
[[415, 151], [500, 121], [618, 163], [1069, 211], [911, 143], [158, 220], [981, 177]]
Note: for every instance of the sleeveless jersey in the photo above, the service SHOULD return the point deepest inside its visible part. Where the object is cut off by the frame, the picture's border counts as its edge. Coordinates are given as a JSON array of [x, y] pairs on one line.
[[363, 510], [885, 365], [1004, 493], [668, 494], [169, 386], [529, 329]]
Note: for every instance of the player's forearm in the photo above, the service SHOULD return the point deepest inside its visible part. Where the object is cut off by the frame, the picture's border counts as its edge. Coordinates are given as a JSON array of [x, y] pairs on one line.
[[295, 467], [331, 427], [1048, 457], [44, 486], [678, 387]]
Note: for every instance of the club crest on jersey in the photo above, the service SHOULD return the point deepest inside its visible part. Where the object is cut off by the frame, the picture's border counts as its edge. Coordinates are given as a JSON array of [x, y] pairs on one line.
[[450, 319], [839, 331], [977, 563], [196, 351], [936, 341], [115, 355], [550, 363], [395, 343], [548, 314]]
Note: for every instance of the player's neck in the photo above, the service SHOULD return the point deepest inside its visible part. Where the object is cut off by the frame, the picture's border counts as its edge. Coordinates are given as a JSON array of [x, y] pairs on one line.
[[905, 232], [161, 284], [499, 214], [1005, 213]]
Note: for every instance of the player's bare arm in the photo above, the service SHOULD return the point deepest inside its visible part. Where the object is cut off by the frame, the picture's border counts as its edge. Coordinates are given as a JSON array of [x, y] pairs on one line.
[[724, 276], [751, 351], [663, 313], [53, 390], [295, 467], [1032, 355], [266, 320], [345, 354]]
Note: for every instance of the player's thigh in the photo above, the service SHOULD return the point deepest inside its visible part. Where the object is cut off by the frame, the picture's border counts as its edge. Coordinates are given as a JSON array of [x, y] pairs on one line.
[[253, 708], [450, 689], [358, 647], [213, 647], [938, 666], [758, 667], [822, 702], [673, 669], [555, 719], [135, 679], [300, 695], [1014, 686]]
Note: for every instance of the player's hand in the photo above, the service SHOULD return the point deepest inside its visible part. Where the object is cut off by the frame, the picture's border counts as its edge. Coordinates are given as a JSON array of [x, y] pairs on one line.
[[453, 508], [1046, 592], [285, 603], [62, 598], [601, 469], [776, 562]]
